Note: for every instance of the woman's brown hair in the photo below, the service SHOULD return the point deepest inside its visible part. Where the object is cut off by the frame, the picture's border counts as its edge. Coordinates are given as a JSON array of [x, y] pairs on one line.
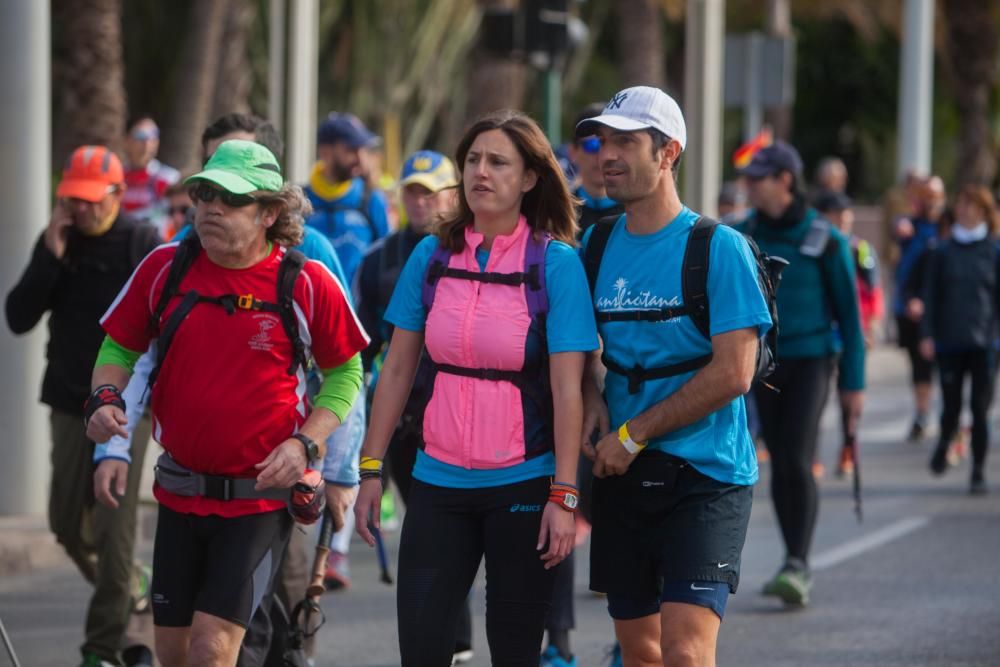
[[980, 196], [548, 206]]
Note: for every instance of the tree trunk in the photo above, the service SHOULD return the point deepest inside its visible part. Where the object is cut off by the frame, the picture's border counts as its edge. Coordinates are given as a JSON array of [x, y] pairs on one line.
[[495, 81], [640, 43], [972, 52], [235, 77], [88, 76], [198, 68]]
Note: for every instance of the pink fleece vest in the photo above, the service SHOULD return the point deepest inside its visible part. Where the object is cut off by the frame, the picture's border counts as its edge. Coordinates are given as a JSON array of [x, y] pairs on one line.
[[480, 326]]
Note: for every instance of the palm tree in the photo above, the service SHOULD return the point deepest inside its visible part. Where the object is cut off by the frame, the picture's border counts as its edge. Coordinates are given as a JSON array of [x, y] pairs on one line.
[[495, 81], [197, 69], [640, 43], [88, 75], [972, 54], [235, 77]]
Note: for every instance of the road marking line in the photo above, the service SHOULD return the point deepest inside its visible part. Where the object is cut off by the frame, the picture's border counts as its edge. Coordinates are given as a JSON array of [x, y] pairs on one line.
[[874, 540]]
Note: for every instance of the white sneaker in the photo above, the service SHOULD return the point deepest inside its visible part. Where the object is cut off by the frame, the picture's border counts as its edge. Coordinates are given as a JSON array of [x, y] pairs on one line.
[[462, 657]]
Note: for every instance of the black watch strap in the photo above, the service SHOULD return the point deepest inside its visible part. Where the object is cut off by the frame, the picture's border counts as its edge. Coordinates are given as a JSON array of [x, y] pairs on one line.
[[312, 449]]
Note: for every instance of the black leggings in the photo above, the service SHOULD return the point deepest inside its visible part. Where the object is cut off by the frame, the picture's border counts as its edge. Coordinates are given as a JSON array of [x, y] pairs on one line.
[[790, 426], [952, 369], [446, 533], [402, 455]]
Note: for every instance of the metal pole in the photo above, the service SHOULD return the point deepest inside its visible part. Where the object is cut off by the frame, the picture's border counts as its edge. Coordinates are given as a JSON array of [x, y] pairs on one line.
[[25, 178], [916, 88], [552, 96], [277, 56], [753, 107], [703, 76], [303, 76]]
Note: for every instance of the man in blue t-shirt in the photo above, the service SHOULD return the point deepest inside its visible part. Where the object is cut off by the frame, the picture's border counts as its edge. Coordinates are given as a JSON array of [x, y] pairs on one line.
[[350, 215], [673, 479]]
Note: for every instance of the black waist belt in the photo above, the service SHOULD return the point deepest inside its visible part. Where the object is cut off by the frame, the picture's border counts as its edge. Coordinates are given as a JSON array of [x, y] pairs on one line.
[[637, 374], [177, 479]]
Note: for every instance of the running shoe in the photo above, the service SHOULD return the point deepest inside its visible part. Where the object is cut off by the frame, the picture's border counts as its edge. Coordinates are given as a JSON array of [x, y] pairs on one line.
[[94, 660], [551, 658], [958, 449], [845, 465], [977, 487], [388, 518], [142, 582], [338, 573], [614, 655], [916, 434], [792, 585], [939, 461], [462, 657], [137, 656]]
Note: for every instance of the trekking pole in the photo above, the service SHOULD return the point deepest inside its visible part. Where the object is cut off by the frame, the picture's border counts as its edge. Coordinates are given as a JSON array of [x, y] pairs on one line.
[[8, 645], [310, 605], [383, 558], [856, 455]]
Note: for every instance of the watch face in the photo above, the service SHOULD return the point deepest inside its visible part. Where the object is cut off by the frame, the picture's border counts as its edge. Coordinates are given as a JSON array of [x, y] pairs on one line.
[[571, 501]]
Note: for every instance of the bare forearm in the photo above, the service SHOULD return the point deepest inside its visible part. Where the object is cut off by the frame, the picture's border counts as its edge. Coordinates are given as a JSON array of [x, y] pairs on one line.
[[318, 426], [567, 400], [725, 378], [109, 374]]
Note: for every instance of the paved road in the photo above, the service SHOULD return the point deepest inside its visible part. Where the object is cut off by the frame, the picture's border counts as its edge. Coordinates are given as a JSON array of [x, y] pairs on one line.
[[915, 584]]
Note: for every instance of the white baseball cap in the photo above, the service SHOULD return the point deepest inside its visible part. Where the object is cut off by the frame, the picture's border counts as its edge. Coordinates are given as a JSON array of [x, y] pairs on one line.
[[639, 108]]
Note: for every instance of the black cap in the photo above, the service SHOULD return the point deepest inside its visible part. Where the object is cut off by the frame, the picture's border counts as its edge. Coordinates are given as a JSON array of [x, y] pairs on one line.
[[773, 159]]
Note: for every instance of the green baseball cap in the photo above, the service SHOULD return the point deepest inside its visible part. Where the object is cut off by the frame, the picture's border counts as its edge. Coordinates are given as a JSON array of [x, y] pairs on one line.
[[241, 167]]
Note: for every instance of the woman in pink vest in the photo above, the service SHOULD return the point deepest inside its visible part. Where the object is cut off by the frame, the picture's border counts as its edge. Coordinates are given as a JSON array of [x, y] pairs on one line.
[[500, 300]]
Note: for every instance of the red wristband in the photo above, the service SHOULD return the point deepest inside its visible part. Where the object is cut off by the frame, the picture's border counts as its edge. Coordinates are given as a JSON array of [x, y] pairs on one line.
[[568, 499]]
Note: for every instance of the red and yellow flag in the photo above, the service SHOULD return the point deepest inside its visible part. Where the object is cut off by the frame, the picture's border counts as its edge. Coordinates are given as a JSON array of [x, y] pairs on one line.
[[744, 154]]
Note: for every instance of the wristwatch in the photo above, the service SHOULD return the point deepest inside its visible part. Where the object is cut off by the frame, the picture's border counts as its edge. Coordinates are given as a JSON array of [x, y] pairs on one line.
[[312, 449]]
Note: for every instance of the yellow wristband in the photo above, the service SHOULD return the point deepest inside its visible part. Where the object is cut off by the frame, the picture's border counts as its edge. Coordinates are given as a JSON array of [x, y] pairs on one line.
[[369, 463], [628, 443]]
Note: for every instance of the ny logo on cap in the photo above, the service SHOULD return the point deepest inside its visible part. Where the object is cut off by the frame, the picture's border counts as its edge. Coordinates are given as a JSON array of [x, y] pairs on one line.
[[616, 101]]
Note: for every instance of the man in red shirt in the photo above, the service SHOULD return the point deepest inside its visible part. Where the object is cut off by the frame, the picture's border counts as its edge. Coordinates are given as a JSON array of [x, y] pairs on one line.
[[146, 177], [228, 403]]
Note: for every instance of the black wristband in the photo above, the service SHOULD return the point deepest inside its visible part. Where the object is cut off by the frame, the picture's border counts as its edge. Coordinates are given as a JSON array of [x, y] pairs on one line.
[[106, 394], [312, 449]]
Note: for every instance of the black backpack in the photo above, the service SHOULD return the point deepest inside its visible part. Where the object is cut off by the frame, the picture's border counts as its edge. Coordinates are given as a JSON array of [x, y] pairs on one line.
[[694, 289], [187, 251]]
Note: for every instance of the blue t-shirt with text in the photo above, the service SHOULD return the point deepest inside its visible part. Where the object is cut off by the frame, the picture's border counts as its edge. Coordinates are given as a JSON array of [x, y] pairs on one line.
[[643, 272]]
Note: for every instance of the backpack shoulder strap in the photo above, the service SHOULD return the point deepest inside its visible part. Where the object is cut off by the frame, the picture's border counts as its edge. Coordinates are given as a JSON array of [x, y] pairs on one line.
[[694, 273], [436, 266], [288, 272], [187, 251], [596, 246], [535, 291]]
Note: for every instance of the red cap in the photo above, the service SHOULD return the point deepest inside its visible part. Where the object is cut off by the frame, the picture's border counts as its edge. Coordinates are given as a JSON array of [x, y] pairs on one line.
[[89, 172]]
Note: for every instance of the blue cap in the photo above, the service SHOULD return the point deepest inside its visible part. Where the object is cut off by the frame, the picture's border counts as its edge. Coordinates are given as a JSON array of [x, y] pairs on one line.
[[429, 169], [345, 128], [772, 159]]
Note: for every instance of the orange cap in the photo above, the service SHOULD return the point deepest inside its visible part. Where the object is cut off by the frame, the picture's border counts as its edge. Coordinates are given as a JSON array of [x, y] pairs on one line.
[[89, 173]]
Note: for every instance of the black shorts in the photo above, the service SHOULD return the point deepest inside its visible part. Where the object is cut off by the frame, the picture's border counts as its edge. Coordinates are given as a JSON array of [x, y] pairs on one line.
[[216, 565], [921, 368], [663, 521]]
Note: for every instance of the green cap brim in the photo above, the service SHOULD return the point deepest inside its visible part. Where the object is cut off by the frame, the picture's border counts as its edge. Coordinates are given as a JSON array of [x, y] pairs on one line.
[[227, 180]]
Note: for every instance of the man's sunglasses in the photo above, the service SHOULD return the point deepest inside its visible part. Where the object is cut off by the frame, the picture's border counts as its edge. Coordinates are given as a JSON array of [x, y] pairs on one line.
[[590, 145], [206, 193]]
